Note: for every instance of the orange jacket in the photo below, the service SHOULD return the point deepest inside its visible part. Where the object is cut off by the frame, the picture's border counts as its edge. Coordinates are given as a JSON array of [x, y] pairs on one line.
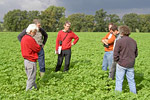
[[110, 41]]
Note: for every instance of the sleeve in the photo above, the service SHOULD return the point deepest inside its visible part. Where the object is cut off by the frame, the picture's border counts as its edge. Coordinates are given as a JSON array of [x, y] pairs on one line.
[[20, 36], [57, 41], [45, 35], [76, 38], [105, 37], [111, 40], [117, 51], [136, 51], [34, 46]]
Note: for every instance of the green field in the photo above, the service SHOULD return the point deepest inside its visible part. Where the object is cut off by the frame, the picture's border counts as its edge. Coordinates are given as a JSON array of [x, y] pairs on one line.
[[85, 79]]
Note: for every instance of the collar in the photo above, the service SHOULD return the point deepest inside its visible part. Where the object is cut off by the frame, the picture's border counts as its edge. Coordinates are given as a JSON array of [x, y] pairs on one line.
[[66, 31], [29, 35], [124, 36], [117, 34]]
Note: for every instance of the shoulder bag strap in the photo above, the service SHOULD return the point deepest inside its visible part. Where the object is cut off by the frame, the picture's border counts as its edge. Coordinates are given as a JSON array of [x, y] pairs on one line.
[[65, 37]]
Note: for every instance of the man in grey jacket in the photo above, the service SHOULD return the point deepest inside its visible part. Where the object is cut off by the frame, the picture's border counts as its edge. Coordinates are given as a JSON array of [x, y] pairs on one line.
[[41, 38], [114, 30]]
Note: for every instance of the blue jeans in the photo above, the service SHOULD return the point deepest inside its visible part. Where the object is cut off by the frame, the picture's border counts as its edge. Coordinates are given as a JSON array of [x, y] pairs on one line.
[[41, 60], [120, 72], [107, 60]]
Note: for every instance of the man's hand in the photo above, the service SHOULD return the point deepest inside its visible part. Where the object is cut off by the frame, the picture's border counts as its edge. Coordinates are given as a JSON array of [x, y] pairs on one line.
[[56, 52], [42, 45], [105, 41], [72, 44]]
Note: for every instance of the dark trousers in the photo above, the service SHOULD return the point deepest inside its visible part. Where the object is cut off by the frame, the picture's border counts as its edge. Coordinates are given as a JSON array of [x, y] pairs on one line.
[[112, 70], [67, 55]]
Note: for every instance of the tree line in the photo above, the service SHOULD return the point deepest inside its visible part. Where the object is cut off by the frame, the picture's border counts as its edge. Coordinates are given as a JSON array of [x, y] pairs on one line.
[[53, 18]]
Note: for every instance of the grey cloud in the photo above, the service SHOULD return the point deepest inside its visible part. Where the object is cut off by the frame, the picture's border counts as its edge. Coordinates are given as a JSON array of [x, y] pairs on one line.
[[7, 5], [119, 7], [107, 4], [78, 6]]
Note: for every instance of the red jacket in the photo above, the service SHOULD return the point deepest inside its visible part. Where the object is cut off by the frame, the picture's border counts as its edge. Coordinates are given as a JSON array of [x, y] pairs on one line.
[[66, 44], [29, 48]]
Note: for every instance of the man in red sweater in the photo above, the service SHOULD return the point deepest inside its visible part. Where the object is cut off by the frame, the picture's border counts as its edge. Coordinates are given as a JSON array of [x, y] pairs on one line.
[[64, 41], [29, 49]]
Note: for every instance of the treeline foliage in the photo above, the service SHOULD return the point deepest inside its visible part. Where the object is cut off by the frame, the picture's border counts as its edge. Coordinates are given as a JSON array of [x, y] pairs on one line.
[[17, 20], [1, 27], [53, 19]]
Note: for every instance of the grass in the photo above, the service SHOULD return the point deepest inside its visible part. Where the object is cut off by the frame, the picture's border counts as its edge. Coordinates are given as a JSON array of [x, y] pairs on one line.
[[85, 79]]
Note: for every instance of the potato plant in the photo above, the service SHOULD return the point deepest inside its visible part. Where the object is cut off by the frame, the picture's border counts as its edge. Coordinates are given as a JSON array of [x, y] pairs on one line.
[[85, 79]]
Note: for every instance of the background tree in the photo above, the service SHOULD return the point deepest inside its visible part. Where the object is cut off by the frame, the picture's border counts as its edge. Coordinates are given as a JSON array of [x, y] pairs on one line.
[[79, 22], [100, 23], [53, 19], [12, 20], [51, 16], [112, 18], [1, 27], [88, 23], [61, 23], [144, 25], [26, 18], [76, 21], [17, 20], [131, 20]]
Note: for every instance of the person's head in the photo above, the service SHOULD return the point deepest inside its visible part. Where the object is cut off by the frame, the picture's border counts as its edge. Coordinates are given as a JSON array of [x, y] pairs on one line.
[[37, 22], [109, 26], [67, 26], [124, 30], [32, 29], [114, 29]]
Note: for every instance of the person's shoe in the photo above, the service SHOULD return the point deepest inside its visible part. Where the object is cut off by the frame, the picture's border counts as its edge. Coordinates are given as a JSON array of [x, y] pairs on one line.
[[42, 74]]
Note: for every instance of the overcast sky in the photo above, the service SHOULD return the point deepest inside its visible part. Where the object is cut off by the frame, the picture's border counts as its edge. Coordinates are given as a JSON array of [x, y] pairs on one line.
[[119, 7]]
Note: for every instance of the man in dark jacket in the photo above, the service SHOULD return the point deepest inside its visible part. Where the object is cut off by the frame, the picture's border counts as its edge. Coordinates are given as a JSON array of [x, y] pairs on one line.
[[125, 53], [41, 38]]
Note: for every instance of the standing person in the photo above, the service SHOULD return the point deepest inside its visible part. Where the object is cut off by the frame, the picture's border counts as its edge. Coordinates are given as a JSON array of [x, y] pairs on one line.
[[29, 49], [114, 29], [64, 40], [41, 38], [125, 53], [108, 42]]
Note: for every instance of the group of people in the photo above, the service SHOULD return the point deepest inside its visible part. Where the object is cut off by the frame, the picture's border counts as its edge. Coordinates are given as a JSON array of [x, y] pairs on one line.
[[33, 39], [120, 52]]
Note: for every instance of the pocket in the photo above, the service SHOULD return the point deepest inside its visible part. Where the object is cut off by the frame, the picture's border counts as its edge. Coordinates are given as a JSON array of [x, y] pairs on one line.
[[30, 65]]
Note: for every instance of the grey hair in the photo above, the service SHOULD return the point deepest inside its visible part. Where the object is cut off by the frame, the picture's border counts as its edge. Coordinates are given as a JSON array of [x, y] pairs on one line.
[[31, 28], [124, 30], [36, 21]]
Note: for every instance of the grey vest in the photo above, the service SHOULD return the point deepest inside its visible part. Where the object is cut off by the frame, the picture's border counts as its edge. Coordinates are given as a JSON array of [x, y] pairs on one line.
[[38, 38]]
